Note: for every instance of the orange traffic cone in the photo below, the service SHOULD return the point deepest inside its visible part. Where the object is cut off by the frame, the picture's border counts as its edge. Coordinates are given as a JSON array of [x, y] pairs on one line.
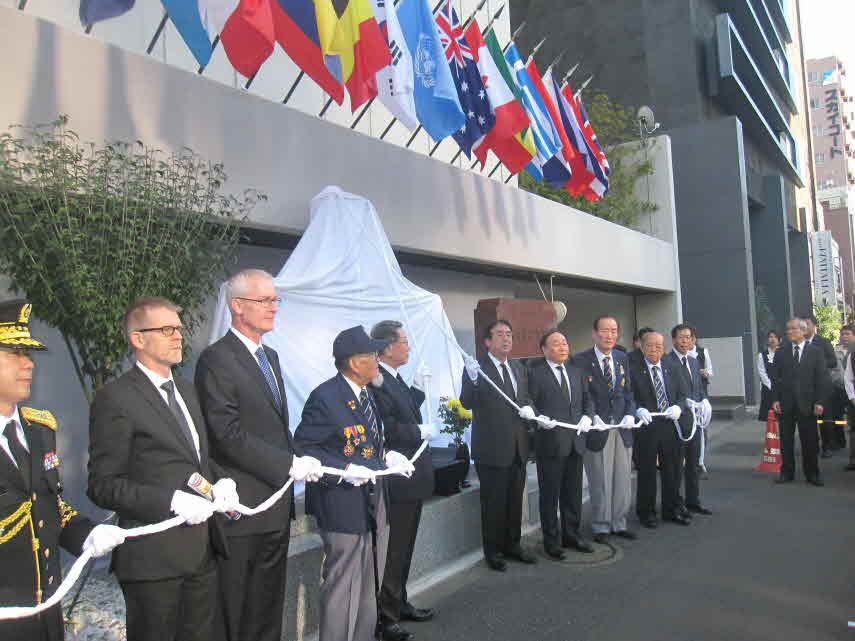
[[771, 459]]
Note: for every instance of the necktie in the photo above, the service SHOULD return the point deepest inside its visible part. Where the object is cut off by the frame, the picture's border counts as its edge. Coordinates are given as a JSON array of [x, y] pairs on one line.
[[659, 386], [507, 384], [796, 353], [607, 372], [686, 366], [19, 452], [368, 411], [565, 386], [175, 408], [267, 372]]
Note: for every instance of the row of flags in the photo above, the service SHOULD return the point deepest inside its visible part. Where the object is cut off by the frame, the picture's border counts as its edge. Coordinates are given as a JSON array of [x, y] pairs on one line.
[[429, 70]]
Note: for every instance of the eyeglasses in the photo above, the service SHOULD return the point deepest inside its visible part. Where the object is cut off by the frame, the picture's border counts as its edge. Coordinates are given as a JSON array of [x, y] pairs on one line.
[[264, 302], [166, 330]]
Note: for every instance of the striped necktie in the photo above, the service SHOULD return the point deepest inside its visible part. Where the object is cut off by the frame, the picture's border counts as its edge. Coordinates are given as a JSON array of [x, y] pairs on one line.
[[659, 386], [368, 411], [267, 372]]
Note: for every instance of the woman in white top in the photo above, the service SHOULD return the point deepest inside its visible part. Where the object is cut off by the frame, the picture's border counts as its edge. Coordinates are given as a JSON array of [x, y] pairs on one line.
[[764, 361]]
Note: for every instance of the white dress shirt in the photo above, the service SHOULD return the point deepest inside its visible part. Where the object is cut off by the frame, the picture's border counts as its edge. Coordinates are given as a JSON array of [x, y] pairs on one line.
[[658, 366], [600, 358], [252, 346], [762, 358], [157, 380], [707, 359], [801, 347], [498, 365], [680, 358], [389, 368], [557, 369], [22, 438], [356, 389]]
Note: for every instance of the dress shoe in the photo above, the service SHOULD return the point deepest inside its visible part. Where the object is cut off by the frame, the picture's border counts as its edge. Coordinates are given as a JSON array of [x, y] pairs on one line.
[[412, 613], [518, 554], [581, 545], [497, 564], [850, 467], [601, 537], [556, 553], [626, 534], [784, 479], [826, 453], [684, 512], [679, 519], [816, 481], [394, 632], [650, 522], [699, 509]]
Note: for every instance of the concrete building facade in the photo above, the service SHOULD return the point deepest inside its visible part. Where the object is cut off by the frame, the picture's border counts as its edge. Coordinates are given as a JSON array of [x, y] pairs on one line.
[[725, 78]]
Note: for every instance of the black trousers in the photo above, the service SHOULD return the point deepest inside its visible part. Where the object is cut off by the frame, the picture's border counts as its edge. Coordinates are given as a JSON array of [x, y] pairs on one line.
[[809, 437], [501, 506], [658, 438], [252, 586], [687, 468], [179, 609], [404, 521], [559, 479]]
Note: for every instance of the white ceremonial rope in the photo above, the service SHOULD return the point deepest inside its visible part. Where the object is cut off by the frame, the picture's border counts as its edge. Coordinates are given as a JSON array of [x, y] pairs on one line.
[[20, 612]]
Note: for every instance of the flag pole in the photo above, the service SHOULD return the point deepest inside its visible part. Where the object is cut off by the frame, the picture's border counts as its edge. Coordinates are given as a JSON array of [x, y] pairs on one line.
[[394, 120], [213, 48], [157, 33], [554, 62], [584, 85], [326, 106], [293, 87], [570, 73], [462, 29]]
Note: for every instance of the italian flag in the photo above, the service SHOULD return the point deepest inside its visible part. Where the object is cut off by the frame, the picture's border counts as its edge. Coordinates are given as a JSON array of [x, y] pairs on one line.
[[509, 138]]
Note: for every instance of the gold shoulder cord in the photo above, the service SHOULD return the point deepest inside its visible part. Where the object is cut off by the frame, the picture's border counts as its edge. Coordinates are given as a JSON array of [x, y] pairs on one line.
[[66, 512]]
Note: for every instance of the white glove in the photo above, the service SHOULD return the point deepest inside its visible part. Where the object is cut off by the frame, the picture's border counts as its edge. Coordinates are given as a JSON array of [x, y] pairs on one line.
[[401, 462], [472, 367], [644, 416], [527, 413], [598, 421], [628, 421], [422, 373], [545, 422], [226, 498], [104, 538], [358, 475], [305, 468], [191, 508], [673, 413], [429, 431], [584, 424]]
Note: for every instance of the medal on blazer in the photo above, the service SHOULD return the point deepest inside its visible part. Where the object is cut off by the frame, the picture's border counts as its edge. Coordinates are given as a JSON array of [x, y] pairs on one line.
[[367, 452], [51, 461], [352, 405], [350, 433]]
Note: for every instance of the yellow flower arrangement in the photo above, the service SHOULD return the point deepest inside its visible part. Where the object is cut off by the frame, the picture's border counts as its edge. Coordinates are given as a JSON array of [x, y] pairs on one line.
[[455, 417]]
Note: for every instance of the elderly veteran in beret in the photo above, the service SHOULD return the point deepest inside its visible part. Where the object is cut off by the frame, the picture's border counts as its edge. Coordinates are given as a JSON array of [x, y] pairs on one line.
[[341, 427], [34, 519]]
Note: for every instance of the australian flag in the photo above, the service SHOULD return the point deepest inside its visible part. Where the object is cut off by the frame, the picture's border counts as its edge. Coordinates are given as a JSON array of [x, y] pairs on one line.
[[470, 88]]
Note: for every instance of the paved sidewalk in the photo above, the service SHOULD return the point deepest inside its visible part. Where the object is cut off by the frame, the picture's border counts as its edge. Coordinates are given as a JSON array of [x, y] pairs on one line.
[[773, 564]]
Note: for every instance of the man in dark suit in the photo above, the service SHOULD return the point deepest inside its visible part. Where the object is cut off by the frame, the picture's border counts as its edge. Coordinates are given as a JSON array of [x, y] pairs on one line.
[[559, 392], [800, 386], [826, 429], [499, 444], [404, 431], [147, 437], [240, 387], [636, 355], [658, 388], [608, 456], [682, 338], [342, 427], [34, 519]]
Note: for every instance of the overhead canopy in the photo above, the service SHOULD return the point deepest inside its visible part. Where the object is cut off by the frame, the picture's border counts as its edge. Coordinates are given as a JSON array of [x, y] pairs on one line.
[[342, 273]]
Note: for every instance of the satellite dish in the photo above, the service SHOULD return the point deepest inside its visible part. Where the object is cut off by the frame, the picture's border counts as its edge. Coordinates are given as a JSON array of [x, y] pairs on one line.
[[560, 311], [645, 116]]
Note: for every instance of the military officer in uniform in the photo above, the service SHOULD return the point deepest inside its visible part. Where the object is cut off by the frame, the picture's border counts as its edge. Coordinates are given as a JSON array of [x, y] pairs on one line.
[[342, 428], [34, 519]]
